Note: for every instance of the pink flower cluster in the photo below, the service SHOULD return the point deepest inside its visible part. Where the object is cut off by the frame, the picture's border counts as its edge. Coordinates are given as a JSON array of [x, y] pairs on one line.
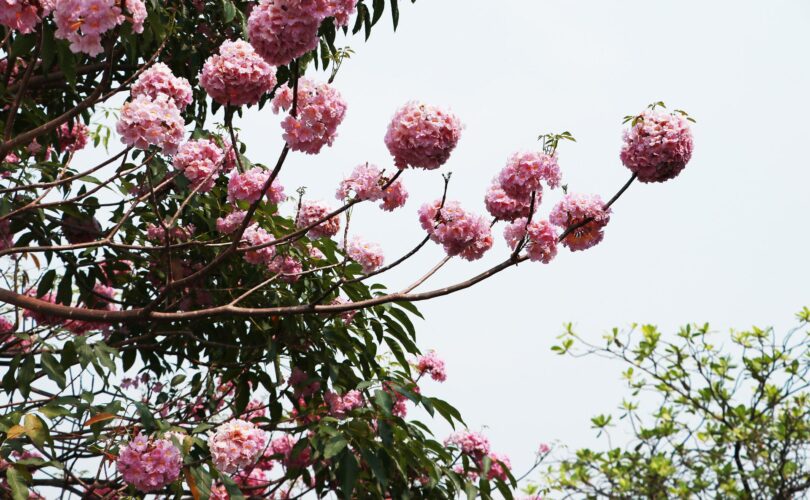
[[237, 75], [469, 442], [320, 110], [100, 298], [282, 30], [365, 183], [340, 406], [236, 444], [283, 446], [395, 196], [159, 80], [313, 211], [255, 236], [541, 244], [15, 344], [145, 121], [422, 136], [23, 15], [524, 171], [504, 207], [431, 364], [83, 22], [499, 466], [73, 138], [200, 161], [575, 209], [248, 186], [460, 232], [42, 319], [174, 234], [346, 317], [287, 267], [658, 146], [368, 255], [149, 465], [231, 222]]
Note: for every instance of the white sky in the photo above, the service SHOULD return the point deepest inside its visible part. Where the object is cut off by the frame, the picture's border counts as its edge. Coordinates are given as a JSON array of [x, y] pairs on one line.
[[725, 242]]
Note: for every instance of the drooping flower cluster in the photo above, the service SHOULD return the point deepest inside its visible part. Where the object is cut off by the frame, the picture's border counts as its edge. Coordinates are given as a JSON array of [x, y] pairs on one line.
[[83, 22], [231, 222], [431, 364], [149, 465], [499, 466], [469, 442], [541, 239], [255, 236], [174, 234], [368, 255], [287, 267], [145, 121], [339, 405], [574, 210], [658, 146], [23, 15], [236, 444], [248, 186], [504, 207], [159, 79], [313, 211], [365, 183], [72, 138], [524, 171], [460, 232], [237, 75], [320, 110], [282, 30], [200, 161], [422, 136], [395, 196], [284, 446]]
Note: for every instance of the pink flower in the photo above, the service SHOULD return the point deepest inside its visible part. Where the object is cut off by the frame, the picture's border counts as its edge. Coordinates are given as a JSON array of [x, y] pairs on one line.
[[320, 111], [72, 138], [365, 183], [237, 75], [460, 232], [149, 465], [255, 236], [231, 222], [284, 446], [658, 146], [248, 186], [282, 30], [20, 15], [524, 171], [313, 211], [159, 79], [43, 319], [288, 268], [145, 121], [235, 445], [200, 161], [470, 443], [541, 244], [137, 11], [368, 255], [346, 317], [252, 483], [499, 467], [83, 22], [432, 365], [543, 449], [395, 196], [422, 136], [575, 209], [174, 234], [504, 207], [9, 342], [339, 406]]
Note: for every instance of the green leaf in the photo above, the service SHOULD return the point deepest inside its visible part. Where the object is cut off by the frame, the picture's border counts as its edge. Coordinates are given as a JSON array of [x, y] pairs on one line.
[[334, 446], [53, 369], [46, 283], [36, 430], [395, 13], [228, 11], [347, 472], [19, 490]]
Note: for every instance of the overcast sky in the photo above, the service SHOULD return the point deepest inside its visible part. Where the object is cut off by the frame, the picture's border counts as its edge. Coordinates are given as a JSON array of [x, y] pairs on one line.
[[726, 242]]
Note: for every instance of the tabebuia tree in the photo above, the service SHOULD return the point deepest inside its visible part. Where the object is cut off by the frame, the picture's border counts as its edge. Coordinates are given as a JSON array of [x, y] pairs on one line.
[[710, 416], [178, 322]]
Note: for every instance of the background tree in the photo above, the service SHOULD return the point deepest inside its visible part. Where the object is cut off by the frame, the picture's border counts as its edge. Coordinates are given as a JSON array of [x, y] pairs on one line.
[[175, 322]]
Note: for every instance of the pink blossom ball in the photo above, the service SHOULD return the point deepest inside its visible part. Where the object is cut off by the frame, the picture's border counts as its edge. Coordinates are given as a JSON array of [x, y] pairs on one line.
[[313, 211], [503, 207], [137, 14], [200, 161], [458, 231], [364, 183], [320, 110], [237, 76], [83, 22], [394, 196], [575, 209], [157, 122], [340, 406], [236, 444], [159, 79], [431, 364], [658, 147], [72, 138], [287, 267], [20, 15], [282, 30], [469, 442], [256, 236], [248, 186], [342, 11], [368, 255], [524, 171], [422, 136], [231, 222], [284, 446], [541, 244], [149, 465], [499, 467]]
